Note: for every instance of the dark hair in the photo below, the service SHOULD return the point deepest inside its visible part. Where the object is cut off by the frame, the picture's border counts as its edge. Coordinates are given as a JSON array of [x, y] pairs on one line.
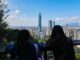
[[57, 29], [24, 34], [23, 40]]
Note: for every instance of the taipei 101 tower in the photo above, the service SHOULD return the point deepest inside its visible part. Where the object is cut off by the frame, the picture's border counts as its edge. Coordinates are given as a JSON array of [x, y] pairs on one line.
[[40, 23]]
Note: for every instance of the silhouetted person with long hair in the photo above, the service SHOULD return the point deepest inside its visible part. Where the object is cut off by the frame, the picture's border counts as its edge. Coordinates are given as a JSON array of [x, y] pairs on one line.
[[25, 50], [61, 46]]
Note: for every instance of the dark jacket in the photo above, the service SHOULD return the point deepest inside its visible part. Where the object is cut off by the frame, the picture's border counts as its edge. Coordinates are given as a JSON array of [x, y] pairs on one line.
[[62, 48], [28, 52]]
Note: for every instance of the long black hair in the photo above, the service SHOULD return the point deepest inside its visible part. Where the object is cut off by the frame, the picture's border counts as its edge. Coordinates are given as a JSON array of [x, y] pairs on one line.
[[22, 40], [57, 29]]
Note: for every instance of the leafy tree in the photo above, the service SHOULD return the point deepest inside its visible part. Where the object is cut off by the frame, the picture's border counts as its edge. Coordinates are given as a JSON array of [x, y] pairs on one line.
[[3, 24]]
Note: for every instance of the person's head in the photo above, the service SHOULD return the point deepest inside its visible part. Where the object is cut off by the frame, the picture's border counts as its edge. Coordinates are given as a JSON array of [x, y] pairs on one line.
[[23, 36], [57, 29]]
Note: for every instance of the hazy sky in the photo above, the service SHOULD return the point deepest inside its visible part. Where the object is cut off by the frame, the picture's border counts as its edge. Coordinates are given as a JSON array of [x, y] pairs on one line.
[[25, 12]]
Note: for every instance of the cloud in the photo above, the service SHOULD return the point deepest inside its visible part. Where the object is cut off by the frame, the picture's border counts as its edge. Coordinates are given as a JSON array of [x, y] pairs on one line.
[[66, 20], [21, 21], [15, 20], [17, 11], [15, 14], [57, 19]]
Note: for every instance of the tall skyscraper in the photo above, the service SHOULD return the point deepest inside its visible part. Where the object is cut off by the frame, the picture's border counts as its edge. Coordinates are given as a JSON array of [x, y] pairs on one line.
[[40, 23], [53, 23], [50, 24]]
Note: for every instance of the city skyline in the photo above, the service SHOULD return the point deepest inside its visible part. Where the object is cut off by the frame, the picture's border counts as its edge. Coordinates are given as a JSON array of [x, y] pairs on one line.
[[25, 12]]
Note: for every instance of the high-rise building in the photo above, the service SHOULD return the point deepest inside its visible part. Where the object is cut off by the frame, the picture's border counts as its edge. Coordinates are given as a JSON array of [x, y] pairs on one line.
[[40, 23], [53, 23], [50, 24]]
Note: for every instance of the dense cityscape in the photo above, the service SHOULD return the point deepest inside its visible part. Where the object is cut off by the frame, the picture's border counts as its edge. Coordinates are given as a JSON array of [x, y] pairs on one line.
[[39, 31]]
